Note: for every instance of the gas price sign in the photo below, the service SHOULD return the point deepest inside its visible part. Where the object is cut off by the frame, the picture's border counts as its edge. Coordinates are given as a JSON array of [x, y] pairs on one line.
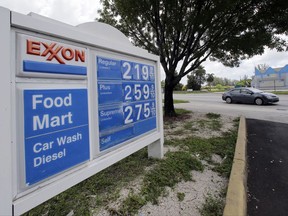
[[59, 83], [126, 98]]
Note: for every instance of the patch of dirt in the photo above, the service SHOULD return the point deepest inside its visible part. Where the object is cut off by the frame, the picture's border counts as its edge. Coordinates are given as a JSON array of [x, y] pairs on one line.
[[133, 187], [196, 124], [204, 183]]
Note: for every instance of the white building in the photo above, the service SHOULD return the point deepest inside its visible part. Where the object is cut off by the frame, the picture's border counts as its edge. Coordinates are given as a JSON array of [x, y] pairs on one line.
[[272, 78]]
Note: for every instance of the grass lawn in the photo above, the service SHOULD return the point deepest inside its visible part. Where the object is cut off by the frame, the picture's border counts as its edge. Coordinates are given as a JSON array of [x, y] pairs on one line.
[[280, 92]]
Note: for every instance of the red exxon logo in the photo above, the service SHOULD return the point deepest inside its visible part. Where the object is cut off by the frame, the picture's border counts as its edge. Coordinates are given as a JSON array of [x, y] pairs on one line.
[[54, 51]]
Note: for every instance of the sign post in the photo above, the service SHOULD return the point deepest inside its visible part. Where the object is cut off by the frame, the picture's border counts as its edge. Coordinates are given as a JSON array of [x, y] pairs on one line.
[[6, 193], [73, 102]]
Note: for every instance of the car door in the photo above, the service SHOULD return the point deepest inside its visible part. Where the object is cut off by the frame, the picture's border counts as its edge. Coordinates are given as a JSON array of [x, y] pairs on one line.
[[246, 96], [235, 95]]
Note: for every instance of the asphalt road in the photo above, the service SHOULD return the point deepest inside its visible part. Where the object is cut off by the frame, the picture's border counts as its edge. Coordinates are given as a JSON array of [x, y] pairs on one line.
[[267, 182], [212, 102]]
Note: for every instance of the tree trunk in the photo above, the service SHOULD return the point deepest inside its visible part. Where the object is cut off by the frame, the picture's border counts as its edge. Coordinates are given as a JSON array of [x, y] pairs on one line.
[[169, 109]]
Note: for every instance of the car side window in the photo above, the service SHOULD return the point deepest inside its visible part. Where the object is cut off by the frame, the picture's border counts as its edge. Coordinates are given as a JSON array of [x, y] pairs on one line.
[[246, 92], [235, 91]]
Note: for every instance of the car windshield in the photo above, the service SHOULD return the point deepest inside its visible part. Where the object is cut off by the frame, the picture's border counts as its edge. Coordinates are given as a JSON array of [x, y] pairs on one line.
[[254, 90]]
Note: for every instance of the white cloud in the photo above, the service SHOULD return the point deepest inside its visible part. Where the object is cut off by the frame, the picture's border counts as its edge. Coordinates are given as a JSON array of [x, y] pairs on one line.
[[75, 12], [72, 12], [270, 57]]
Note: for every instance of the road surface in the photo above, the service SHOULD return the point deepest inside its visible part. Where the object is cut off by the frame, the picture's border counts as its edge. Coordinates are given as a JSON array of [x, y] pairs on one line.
[[267, 154], [212, 102]]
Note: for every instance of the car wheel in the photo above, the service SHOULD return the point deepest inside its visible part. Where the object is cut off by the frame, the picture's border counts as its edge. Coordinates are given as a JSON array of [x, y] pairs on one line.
[[228, 100], [258, 101]]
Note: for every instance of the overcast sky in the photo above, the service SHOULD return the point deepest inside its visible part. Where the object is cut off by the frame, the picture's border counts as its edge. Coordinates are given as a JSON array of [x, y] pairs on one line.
[[74, 12]]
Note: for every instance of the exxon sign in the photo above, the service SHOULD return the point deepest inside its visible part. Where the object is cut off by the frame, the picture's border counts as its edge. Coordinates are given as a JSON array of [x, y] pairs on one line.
[[45, 56]]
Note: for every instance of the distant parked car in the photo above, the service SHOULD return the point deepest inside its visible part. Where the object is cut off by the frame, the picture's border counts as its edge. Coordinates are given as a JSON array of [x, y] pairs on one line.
[[249, 95]]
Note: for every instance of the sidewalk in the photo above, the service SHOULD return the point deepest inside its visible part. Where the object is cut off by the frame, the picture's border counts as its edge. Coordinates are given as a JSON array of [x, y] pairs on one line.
[[267, 168]]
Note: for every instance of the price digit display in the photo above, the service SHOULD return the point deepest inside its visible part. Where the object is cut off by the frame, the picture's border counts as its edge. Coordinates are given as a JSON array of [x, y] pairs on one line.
[[128, 89], [138, 110], [153, 108], [126, 70], [128, 114], [135, 71], [146, 111], [128, 92], [152, 91], [128, 106], [151, 73], [137, 75], [137, 92], [145, 72], [146, 92]]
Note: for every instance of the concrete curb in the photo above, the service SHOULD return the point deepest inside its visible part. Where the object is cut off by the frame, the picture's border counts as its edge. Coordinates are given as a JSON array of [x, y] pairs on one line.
[[236, 203]]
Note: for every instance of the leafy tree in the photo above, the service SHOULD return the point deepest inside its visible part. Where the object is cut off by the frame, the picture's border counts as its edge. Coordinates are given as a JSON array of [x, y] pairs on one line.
[[184, 88], [223, 81], [184, 33], [245, 82], [178, 87], [218, 80], [196, 79], [209, 79], [262, 67], [219, 86]]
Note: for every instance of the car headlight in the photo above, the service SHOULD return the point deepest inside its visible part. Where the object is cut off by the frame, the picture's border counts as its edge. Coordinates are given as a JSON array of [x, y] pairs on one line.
[[268, 96]]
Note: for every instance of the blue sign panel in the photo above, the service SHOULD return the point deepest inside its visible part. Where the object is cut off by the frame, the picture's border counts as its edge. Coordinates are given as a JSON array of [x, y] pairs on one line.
[[109, 92], [34, 66], [112, 139], [127, 112], [110, 117], [56, 131], [108, 69], [144, 126]]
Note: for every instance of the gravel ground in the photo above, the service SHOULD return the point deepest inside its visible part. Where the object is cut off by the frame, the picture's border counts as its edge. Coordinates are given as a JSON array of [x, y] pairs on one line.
[[204, 183]]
